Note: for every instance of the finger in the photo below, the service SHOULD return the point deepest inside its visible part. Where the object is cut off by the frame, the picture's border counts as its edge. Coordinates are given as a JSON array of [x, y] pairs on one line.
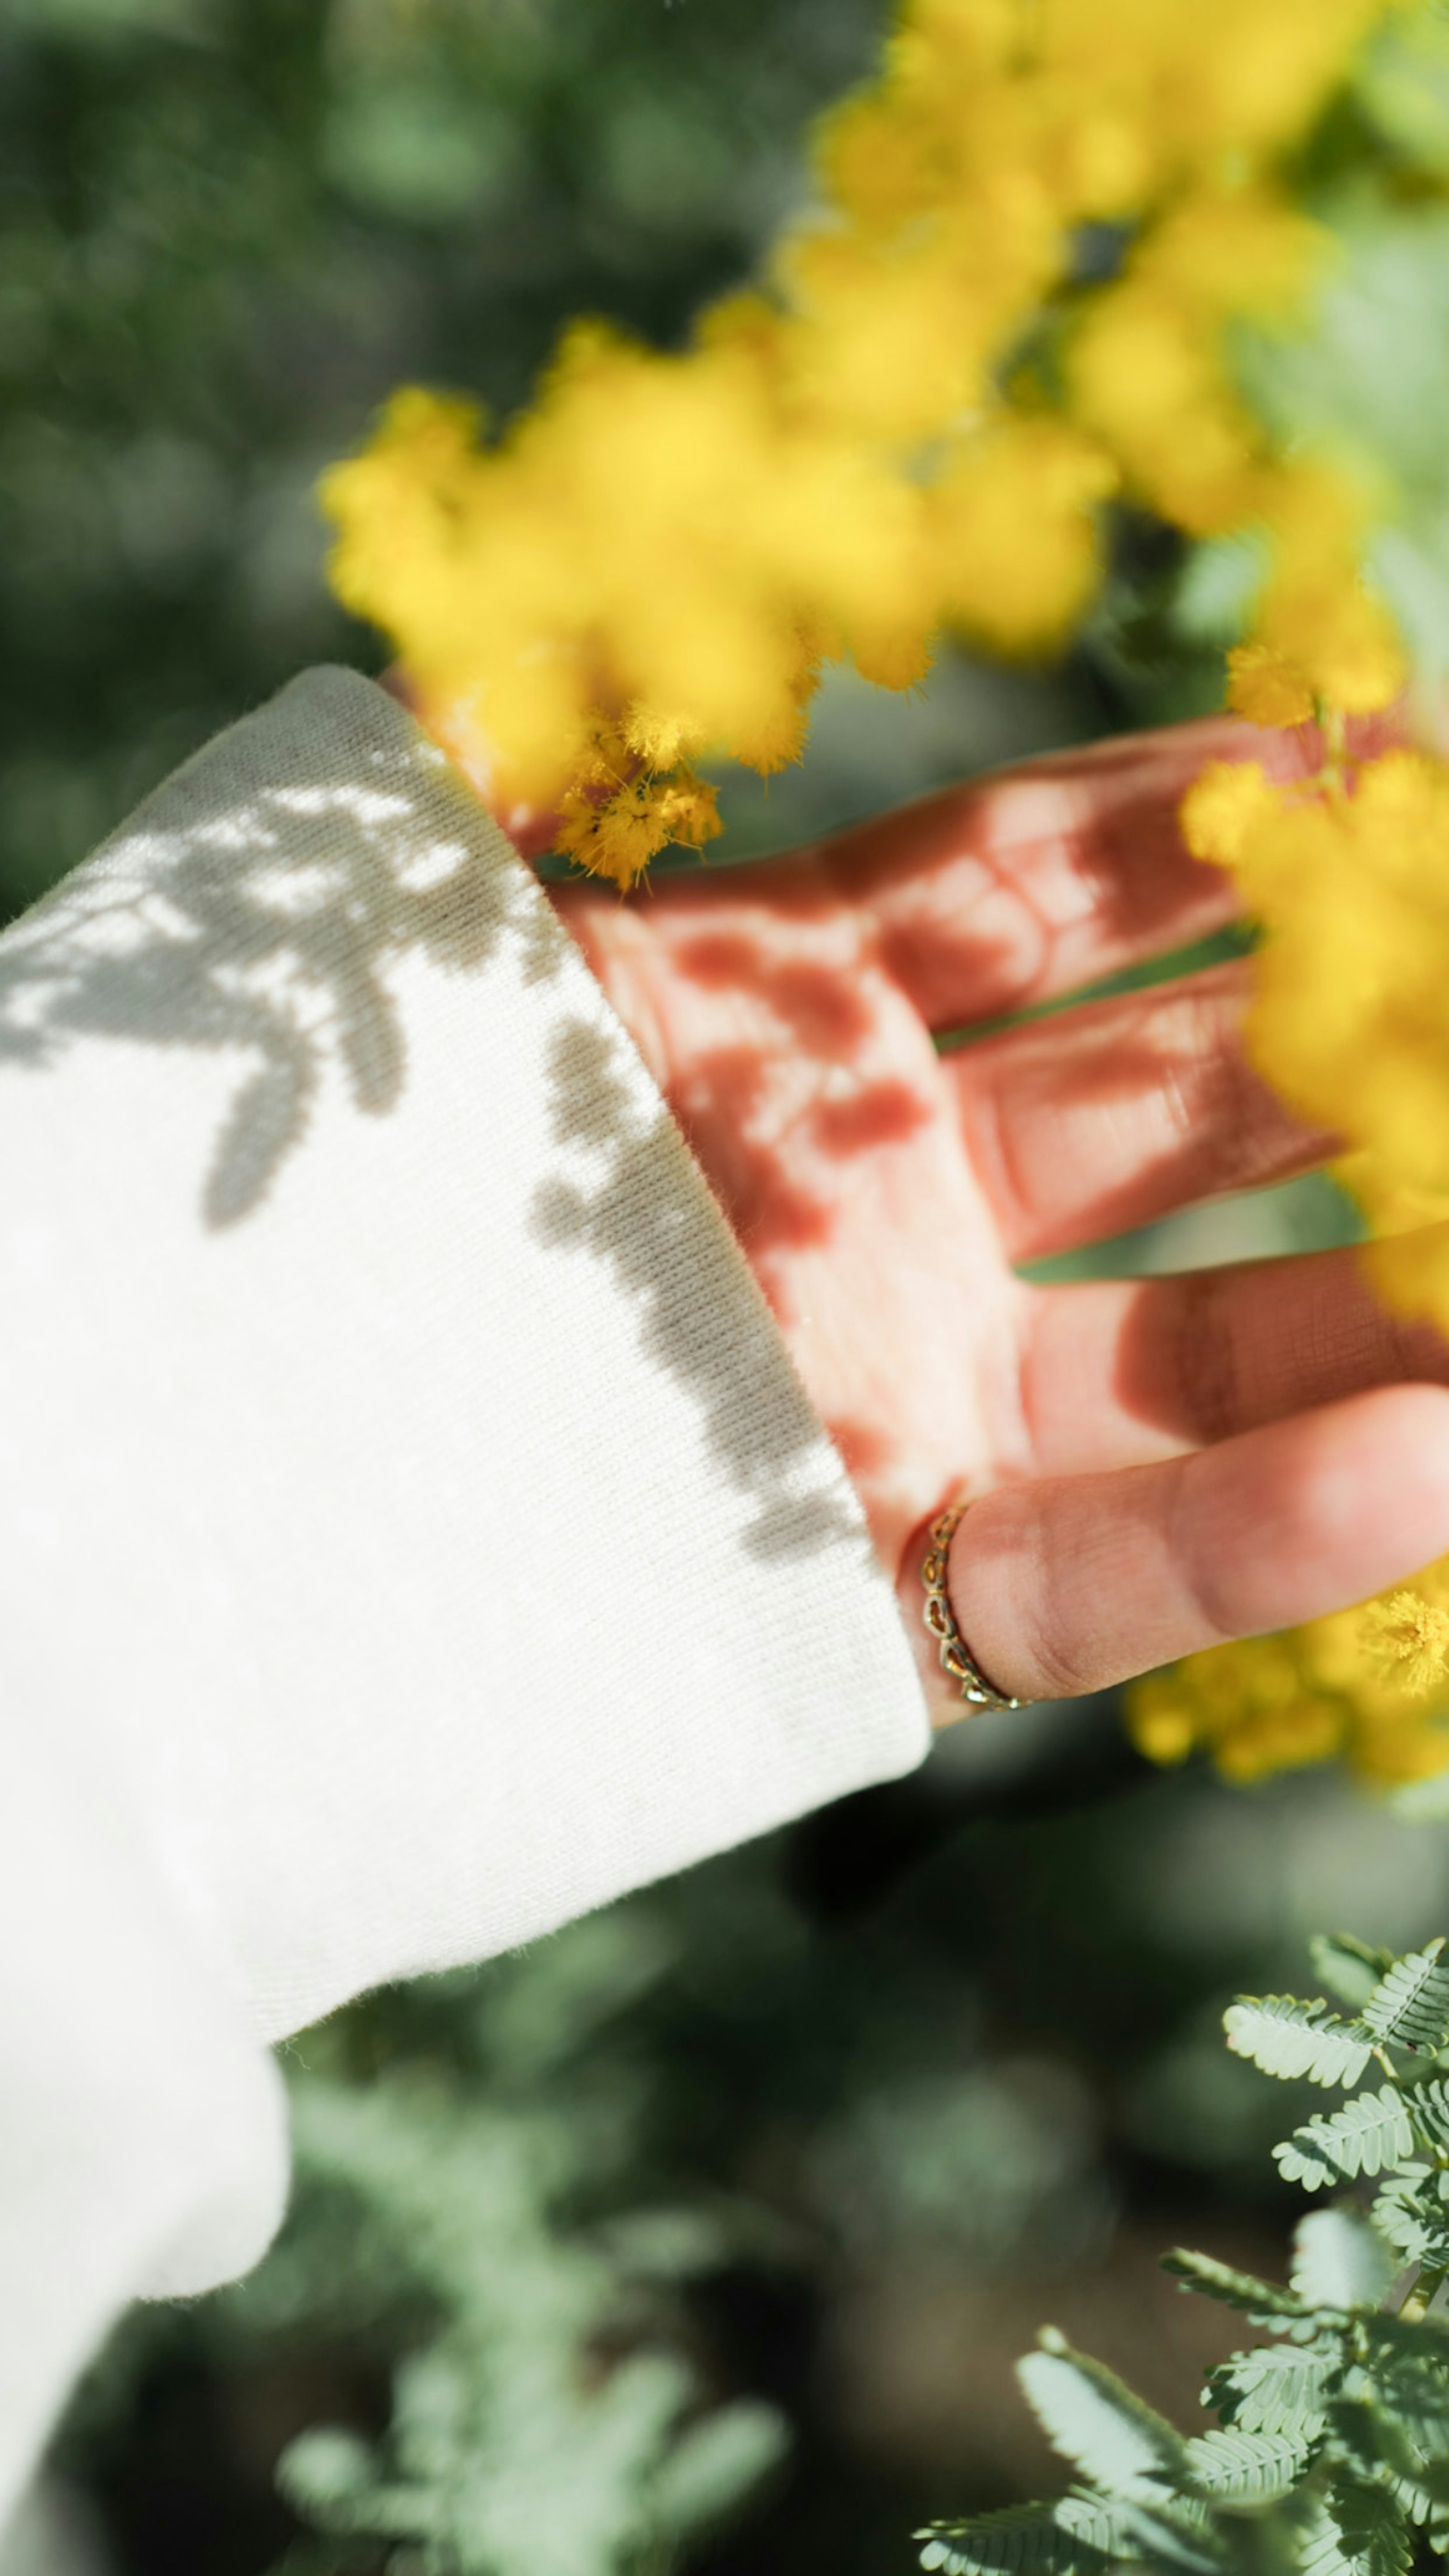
[[1016, 887], [1078, 1582], [1122, 1371], [1120, 1111]]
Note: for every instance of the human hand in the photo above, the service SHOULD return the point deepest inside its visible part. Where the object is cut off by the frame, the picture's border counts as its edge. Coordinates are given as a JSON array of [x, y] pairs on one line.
[[1159, 1464]]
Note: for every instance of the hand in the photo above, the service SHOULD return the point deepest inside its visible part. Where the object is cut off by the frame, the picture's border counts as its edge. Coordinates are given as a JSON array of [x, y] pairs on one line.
[[1162, 1464]]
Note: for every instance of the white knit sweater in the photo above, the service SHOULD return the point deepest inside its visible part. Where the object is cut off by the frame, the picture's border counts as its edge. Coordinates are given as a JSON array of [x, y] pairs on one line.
[[413, 1531]]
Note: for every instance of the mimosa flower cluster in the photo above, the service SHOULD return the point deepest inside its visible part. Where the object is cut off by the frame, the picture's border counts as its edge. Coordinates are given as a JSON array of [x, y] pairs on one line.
[[1354, 1688], [907, 428], [1349, 877], [1011, 306]]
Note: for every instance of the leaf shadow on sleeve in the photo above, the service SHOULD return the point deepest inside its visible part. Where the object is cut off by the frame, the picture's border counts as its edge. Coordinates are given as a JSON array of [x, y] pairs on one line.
[[256, 906]]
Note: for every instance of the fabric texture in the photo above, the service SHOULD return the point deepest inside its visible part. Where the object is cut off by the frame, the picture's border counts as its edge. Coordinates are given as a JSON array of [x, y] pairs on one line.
[[414, 1531]]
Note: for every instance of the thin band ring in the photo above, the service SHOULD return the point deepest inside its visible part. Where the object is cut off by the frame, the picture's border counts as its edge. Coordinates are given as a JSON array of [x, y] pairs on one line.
[[957, 1660]]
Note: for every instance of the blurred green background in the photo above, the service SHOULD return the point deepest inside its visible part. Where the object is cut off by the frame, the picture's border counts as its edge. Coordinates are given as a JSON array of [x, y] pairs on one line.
[[705, 2234]]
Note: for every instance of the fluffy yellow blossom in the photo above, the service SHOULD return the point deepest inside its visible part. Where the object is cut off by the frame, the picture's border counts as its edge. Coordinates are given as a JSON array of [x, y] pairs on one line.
[[1225, 807], [1012, 525], [1407, 1635], [617, 835], [1349, 880], [1268, 689], [1350, 884], [1369, 1687], [852, 458], [1315, 610], [1255, 1710]]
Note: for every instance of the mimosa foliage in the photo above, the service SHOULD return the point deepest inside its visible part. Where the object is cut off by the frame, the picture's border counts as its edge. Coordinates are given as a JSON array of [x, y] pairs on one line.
[[1330, 2456]]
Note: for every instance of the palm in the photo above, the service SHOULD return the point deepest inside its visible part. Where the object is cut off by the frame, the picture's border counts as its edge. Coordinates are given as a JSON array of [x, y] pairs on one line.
[[883, 1190], [808, 1086]]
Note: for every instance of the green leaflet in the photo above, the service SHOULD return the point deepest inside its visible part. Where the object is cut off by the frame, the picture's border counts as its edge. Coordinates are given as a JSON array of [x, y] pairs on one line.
[[1174, 2539], [1354, 2530], [1367, 2438], [721, 2457], [1232, 2289], [1340, 2260], [1094, 2420], [1417, 2394], [1288, 2038], [1368, 2133], [1410, 2007], [1096, 2524], [1428, 2108], [1234, 2467], [1080, 2536], [1409, 2214], [1025, 2540], [1279, 2389]]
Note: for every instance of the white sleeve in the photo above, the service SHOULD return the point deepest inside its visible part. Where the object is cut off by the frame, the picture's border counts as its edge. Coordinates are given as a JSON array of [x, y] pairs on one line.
[[413, 1531]]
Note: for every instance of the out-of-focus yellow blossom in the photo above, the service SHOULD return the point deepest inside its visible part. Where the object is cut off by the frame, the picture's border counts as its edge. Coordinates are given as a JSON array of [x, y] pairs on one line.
[[1337, 1688], [1146, 367], [1350, 883], [1268, 689], [856, 457], [1315, 610], [1012, 527], [1348, 876]]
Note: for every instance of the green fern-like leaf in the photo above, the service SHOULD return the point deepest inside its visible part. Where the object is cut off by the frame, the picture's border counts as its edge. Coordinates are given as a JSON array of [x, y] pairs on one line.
[[1355, 2530], [1232, 2289], [1367, 2437], [1331, 2454], [1428, 2107], [1409, 2008], [1372, 2439], [1282, 2388], [1178, 2538], [1096, 2422], [1348, 1967], [1368, 2134], [1025, 2540], [1234, 2467], [1411, 2213], [1291, 2039], [1090, 2519], [1417, 2391]]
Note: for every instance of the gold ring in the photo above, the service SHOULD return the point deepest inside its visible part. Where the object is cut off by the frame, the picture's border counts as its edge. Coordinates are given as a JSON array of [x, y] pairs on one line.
[[956, 1657]]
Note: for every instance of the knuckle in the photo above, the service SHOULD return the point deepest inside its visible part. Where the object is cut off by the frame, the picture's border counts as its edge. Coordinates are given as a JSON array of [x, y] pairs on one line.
[[1206, 1364], [1223, 1114], [1203, 1569]]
